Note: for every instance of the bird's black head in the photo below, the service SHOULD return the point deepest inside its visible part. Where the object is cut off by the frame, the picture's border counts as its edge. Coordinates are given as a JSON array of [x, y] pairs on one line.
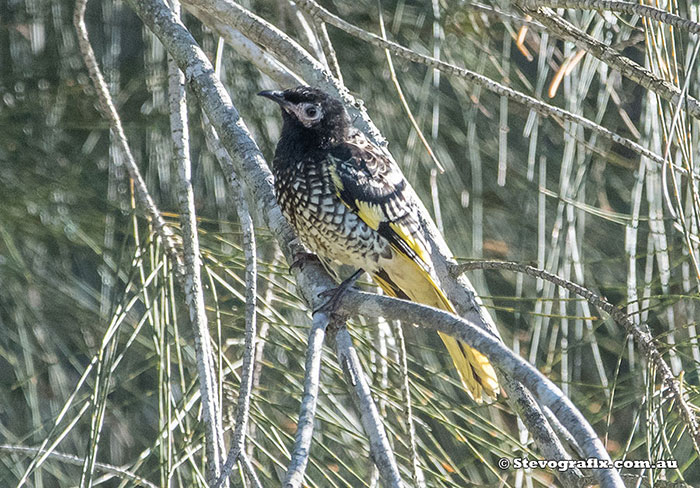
[[312, 114]]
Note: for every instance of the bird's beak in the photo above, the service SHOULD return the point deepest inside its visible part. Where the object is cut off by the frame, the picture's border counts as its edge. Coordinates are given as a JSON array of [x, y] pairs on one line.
[[274, 95]]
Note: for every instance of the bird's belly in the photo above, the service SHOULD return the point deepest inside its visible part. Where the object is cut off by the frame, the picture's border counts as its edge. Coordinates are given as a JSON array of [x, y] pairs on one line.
[[335, 233]]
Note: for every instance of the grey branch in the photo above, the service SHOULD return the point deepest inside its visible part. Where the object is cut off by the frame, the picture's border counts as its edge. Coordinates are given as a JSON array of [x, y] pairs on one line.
[[644, 340], [544, 109], [546, 392], [490, 10], [249, 469], [194, 294], [78, 461], [312, 380], [245, 392], [418, 477], [539, 427], [563, 29], [185, 272], [622, 7], [379, 447]]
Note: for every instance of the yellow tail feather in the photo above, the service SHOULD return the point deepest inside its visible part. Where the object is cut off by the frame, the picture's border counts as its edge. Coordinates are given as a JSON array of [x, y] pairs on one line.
[[475, 371]]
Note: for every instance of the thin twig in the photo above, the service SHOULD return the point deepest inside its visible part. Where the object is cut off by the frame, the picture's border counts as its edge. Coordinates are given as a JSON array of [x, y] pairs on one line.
[[251, 278], [643, 339], [530, 413], [622, 7], [562, 432], [194, 294], [248, 49], [329, 51], [78, 461], [488, 9], [306, 31], [379, 447], [250, 470], [270, 256], [312, 380], [418, 477], [563, 29], [402, 98], [109, 111], [540, 107], [237, 194], [547, 393]]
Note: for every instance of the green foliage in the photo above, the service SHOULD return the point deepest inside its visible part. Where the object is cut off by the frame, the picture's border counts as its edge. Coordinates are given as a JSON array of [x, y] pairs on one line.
[[97, 356]]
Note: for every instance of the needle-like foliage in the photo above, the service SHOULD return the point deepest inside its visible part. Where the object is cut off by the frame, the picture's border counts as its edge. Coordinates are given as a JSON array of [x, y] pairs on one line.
[[100, 384]]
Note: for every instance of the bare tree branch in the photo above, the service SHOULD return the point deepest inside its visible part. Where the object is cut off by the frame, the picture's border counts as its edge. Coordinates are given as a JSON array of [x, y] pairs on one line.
[[312, 380], [546, 392], [622, 7], [194, 295], [418, 476], [248, 367], [379, 447], [563, 29], [540, 107], [644, 340], [250, 470], [118, 471]]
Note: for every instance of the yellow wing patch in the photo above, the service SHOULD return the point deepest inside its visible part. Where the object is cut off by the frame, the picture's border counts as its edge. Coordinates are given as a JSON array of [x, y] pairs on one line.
[[412, 243], [384, 285], [336, 178], [371, 213]]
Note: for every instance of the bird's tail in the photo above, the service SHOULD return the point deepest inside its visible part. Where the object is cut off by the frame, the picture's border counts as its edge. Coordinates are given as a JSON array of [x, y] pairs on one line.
[[475, 371]]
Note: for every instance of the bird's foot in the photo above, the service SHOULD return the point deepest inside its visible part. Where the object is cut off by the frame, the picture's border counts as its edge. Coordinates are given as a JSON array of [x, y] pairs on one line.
[[331, 306], [301, 258]]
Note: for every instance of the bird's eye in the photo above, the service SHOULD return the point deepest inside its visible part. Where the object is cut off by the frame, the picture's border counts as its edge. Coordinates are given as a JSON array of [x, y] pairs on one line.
[[309, 114]]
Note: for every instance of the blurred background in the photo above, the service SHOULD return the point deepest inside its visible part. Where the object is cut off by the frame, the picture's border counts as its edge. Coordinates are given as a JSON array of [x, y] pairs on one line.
[[97, 362]]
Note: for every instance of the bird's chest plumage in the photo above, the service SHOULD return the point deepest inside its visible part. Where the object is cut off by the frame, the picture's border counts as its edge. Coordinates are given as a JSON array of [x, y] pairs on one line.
[[307, 195]]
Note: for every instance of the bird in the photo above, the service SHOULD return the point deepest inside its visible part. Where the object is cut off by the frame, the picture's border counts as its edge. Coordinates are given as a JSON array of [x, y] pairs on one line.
[[350, 204]]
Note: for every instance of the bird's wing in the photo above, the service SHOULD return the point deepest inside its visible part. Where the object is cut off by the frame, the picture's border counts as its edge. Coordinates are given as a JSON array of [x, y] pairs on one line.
[[369, 183]]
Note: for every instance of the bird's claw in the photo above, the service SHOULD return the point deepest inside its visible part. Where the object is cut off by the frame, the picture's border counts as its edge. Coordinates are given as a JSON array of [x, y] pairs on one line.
[[335, 294]]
